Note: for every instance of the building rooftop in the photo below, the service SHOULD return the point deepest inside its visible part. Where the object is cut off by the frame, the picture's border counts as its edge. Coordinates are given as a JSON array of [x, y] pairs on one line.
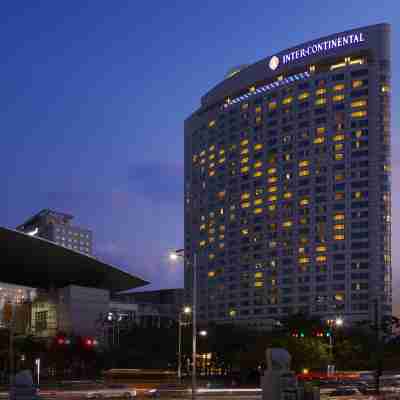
[[36, 262]]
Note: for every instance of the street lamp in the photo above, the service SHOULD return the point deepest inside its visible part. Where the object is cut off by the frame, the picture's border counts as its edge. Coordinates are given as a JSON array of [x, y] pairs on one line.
[[332, 323], [174, 257], [203, 333], [186, 311]]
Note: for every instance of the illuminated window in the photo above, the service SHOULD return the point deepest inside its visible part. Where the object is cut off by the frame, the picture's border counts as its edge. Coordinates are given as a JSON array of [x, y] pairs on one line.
[[339, 297], [245, 231], [258, 210], [221, 152], [244, 151], [252, 89], [303, 96], [258, 201], [304, 202], [357, 83], [304, 163], [287, 224], [272, 198], [244, 160], [358, 103], [211, 165], [338, 65], [202, 243], [272, 105], [244, 169], [339, 177], [271, 171], [245, 205], [221, 160], [338, 97], [272, 189], [320, 249], [359, 114], [287, 157], [211, 156], [320, 101], [357, 61], [358, 133], [320, 91], [339, 217], [338, 137], [287, 100], [257, 174], [304, 260], [258, 119], [211, 256], [319, 140], [287, 195], [258, 146], [385, 88], [339, 196], [338, 227], [258, 164], [304, 172], [221, 194], [211, 123], [259, 275], [194, 158], [258, 109], [320, 259], [272, 179], [211, 274], [245, 196], [338, 87], [312, 68], [244, 142], [358, 195], [202, 227], [338, 237], [211, 173], [258, 284], [245, 106], [339, 156], [203, 153], [272, 207]]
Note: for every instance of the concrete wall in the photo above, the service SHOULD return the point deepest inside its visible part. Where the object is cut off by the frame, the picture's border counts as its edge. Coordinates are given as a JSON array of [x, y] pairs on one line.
[[80, 309]]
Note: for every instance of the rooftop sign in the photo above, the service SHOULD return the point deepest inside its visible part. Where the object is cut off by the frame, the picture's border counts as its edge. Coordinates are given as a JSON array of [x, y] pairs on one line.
[[318, 47]]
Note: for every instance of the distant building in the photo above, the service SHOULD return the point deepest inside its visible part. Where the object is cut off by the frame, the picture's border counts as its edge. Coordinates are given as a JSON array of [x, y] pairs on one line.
[[56, 227], [169, 302]]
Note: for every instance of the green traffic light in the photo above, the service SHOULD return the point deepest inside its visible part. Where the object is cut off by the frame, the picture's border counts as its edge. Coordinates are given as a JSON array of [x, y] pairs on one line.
[[328, 334], [301, 334]]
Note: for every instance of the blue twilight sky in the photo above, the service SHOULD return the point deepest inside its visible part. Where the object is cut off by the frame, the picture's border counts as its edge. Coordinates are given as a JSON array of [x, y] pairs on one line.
[[94, 93]]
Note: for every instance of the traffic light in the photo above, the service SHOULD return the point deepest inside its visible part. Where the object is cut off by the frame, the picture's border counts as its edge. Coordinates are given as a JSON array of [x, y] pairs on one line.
[[302, 334], [328, 333], [90, 342]]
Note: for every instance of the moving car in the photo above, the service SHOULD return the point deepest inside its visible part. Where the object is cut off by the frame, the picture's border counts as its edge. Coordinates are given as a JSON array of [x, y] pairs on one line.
[[112, 392]]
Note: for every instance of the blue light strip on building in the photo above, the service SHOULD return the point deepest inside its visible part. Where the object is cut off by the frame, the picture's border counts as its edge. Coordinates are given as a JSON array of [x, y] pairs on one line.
[[269, 87]]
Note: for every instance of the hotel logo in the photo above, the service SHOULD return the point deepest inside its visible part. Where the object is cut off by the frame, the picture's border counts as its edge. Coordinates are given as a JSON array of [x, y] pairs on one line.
[[274, 63]]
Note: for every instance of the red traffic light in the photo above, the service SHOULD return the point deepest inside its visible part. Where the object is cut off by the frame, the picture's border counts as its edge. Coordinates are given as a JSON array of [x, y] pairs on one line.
[[90, 342], [60, 341]]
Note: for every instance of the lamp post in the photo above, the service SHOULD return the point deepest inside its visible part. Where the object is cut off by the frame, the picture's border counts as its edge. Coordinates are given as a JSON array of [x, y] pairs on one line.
[[185, 311], [174, 256], [332, 323]]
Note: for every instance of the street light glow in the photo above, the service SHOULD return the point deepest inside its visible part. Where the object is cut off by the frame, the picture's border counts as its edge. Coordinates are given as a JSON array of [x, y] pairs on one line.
[[173, 256], [339, 321], [187, 310], [203, 333]]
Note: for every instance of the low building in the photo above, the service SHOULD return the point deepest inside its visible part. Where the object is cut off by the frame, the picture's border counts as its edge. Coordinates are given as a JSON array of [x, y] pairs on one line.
[[72, 289]]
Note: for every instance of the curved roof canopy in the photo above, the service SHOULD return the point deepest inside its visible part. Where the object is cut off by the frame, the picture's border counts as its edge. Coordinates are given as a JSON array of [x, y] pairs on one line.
[[35, 262]]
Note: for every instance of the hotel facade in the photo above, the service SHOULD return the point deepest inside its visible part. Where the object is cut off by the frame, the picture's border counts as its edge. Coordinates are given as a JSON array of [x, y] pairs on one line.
[[287, 185]]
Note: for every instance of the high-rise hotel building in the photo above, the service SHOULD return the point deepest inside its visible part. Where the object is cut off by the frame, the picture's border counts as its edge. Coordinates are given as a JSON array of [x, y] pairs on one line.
[[287, 184]]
